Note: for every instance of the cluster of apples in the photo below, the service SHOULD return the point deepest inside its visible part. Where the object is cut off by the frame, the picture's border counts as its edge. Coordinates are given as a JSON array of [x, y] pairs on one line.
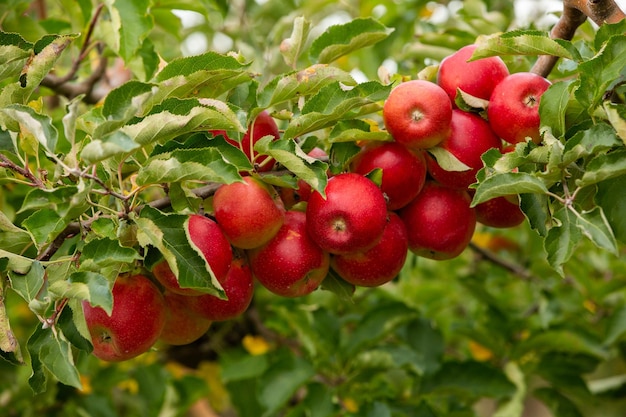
[[289, 240]]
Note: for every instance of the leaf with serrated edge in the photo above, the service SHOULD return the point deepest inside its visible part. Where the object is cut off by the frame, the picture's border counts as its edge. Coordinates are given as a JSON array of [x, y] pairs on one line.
[[446, 160], [168, 233], [518, 43], [617, 117], [604, 167], [596, 227], [88, 286], [500, 185], [562, 239], [28, 285], [39, 125]]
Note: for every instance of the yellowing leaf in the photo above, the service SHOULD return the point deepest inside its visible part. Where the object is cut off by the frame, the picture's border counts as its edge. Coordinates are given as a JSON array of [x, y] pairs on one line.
[[255, 345]]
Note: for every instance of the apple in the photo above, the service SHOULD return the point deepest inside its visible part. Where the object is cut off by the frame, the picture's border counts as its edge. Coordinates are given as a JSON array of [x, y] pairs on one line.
[[470, 137], [403, 171], [417, 114], [513, 109], [238, 286], [249, 212], [207, 236], [500, 212], [379, 264], [262, 125], [477, 78], [135, 323], [182, 324], [291, 264], [352, 216], [439, 221]]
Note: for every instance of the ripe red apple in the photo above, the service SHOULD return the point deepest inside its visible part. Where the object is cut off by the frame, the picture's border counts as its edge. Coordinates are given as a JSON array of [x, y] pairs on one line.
[[513, 109], [377, 265], [500, 212], [351, 218], [182, 324], [135, 323], [470, 137], [291, 264], [439, 221], [249, 212], [404, 171], [206, 235], [237, 285], [262, 125], [477, 78], [417, 114]]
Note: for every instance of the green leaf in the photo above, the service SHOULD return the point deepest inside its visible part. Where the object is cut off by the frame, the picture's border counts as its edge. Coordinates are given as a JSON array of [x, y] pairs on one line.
[[535, 208], [595, 226], [598, 74], [616, 114], [562, 340], [611, 198], [206, 75], [50, 351], [9, 345], [237, 365], [562, 239], [356, 130], [520, 42], [340, 40], [206, 164], [44, 226], [509, 183], [88, 286], [131, 21], [288, 154], [428, 344], [292, 47], [446, 160], [559, 405], [553, 105], [169, 234], [335, 102], [172, 118], [28, 285], [14, 51], [12, 238], [39, 125], [17, 263], [301, 83], [598, 139], [603, 167], [472, 379], [66, 324], [341, 288]]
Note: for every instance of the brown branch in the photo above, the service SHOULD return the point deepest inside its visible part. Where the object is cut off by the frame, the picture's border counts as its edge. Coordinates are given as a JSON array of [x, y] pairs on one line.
[[25, 172], [575, 13], [514, 268]]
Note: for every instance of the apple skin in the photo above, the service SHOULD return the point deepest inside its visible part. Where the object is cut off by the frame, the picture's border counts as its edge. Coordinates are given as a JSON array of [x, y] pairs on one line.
[[351, 218], [182, 324], [263, 125], [417, 114], [500, 212], [291, 264], [439, 221], [404, 171], [379, 264], [239, 289], [249, 212], [477, 78], [513, 109], [470, 137], [135, 323]]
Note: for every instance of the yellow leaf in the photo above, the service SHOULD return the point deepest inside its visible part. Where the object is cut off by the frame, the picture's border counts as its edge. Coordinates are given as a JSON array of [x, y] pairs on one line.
[[479, 352], [255, 345]]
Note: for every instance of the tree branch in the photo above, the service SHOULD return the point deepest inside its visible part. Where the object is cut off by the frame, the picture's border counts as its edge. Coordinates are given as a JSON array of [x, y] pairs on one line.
[[516, 269]]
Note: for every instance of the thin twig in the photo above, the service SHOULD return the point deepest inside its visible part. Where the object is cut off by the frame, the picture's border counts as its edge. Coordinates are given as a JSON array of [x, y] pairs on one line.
[[516, 269]]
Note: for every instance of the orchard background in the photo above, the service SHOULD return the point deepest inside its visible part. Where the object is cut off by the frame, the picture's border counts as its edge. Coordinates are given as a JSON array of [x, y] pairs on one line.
[[101, 118]]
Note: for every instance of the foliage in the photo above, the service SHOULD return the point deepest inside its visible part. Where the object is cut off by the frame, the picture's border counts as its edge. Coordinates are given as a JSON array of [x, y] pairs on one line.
[[104, 146]]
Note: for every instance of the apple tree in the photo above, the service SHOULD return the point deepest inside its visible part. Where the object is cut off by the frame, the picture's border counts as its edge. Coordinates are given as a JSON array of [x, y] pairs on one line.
[[232, 155]]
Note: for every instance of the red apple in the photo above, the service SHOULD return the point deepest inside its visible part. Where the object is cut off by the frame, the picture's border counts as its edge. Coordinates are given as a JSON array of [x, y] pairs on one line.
[[135, 323], [417, 114], [513, 109], [404, 171], [381, 263], [249, 212], [470, 137], [182, 324], [262, 125], [237, 285], [291, 264], [439, 221], [477, 78], [500, 212], [351, 218]]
